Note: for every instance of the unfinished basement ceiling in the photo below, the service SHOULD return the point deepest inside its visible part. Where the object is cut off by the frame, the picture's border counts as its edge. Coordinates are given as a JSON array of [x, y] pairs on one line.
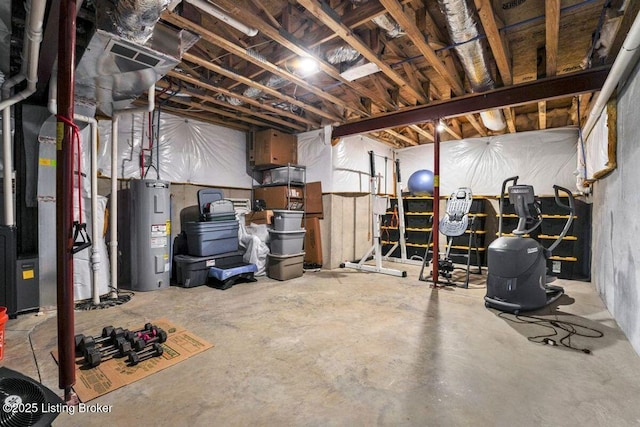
[[418, 51]]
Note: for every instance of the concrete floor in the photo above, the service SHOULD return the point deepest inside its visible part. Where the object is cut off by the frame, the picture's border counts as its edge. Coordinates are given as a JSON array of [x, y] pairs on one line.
[[344, 347]]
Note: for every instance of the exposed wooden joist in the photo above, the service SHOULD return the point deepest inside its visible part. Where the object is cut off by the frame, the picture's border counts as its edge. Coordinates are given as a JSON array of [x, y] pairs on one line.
[[331, 20], [241, 52], [278, 111], [265, 11], [510, 118], [288, 41], [207, 118], [499, 46], [426, 134], [401, 137], [242, 113], [266, 89], [542, 115], [410, 28], [476, 124], [533, 91], [552, 31]]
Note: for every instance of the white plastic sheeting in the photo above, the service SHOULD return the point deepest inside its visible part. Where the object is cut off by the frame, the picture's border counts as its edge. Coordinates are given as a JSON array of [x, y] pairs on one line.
[[595, 154], [189, 151], [351, 165], [82, 277], [540, 158], [314, 151]]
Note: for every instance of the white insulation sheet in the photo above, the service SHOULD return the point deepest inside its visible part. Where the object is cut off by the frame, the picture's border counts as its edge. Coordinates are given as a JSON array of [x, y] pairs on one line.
[[540, 158], [594, 153], [350, 165], [190, 151]]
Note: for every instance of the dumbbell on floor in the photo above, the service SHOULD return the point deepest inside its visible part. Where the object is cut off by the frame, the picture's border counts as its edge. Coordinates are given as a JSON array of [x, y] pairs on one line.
[[94, 356], [88, 343], [155, 351], [79, 338]]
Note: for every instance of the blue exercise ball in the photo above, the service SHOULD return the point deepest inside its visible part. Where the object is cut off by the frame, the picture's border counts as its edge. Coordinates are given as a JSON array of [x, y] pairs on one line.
[[421, 182]]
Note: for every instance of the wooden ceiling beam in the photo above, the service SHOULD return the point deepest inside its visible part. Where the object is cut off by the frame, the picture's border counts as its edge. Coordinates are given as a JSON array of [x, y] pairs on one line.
[[552, 32], [476, 124], [499, 46], [266, 89], [422, 132], [510, 117], [409, 26], [244, 53], [227, 114], [401, 137], [250, 101], [207, 118], [542, 115], [331, 20], [288, 41]]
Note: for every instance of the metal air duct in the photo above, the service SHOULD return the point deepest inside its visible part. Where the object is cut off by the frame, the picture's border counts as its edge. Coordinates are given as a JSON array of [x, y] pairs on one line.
[[128, 53], [463, 30]]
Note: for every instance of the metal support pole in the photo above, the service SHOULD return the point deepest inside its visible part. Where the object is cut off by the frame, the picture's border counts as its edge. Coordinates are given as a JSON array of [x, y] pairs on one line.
[[64, 197], [436, 205]]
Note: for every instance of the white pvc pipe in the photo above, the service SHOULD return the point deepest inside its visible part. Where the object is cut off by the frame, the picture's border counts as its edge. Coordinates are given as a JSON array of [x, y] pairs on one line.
[[29, 70], [7, 157], [95, 254], [625, 61], [223, 16], [113, 214]]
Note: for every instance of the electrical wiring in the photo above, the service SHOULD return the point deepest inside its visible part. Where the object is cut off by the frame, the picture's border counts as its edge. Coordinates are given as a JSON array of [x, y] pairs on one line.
[[555, 328]]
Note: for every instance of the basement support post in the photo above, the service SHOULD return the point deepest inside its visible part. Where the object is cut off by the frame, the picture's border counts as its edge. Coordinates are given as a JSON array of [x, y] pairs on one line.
[[64, 198], [435, 267]]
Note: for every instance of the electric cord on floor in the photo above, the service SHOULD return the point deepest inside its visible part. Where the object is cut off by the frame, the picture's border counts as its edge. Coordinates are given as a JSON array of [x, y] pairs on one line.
[[555, 326], [33, 353]]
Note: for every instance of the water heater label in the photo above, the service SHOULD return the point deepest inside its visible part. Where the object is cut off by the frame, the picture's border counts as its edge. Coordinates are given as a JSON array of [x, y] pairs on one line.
[[158, 230], [158, 242]]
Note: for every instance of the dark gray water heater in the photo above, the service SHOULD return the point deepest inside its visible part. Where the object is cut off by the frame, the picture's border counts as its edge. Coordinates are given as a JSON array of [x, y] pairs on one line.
[[144, 231]]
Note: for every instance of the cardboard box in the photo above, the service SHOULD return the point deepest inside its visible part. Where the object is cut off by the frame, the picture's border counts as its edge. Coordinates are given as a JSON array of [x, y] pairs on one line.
[[280, 197], [273, 148], [313, 202], [259, 217], [312, 242]]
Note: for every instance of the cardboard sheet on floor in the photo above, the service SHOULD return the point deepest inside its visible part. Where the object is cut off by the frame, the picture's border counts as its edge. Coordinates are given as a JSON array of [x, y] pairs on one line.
[[115, 373]]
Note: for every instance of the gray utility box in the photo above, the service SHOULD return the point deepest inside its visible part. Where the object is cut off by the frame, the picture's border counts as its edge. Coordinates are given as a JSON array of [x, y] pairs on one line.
[[211, 237], [144, 228]]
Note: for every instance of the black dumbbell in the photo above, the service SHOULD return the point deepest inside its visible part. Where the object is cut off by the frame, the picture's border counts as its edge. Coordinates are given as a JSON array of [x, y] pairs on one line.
[[154, 351], [94, 357], [106, 332], [88, 343]]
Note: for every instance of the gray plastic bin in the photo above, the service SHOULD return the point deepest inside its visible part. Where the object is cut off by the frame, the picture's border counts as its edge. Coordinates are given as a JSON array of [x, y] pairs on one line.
[[286, 242], [211, 237], [284, 220], [193, 271], [285, 267]]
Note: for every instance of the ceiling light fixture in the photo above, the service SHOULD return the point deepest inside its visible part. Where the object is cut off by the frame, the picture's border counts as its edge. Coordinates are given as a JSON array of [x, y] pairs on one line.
[[306, 66], [440, 127]]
